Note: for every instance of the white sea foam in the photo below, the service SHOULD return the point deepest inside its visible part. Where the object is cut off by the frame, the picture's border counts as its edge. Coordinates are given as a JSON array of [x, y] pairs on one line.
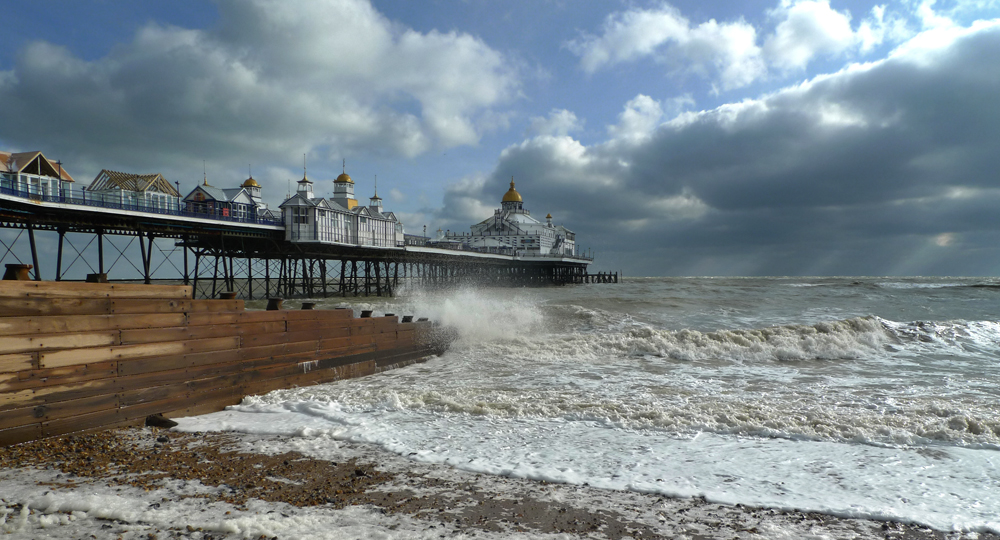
[[863, 416]]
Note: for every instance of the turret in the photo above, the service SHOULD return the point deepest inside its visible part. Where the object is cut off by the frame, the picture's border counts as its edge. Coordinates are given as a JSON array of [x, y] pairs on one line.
[[343, 190], [512, 199]]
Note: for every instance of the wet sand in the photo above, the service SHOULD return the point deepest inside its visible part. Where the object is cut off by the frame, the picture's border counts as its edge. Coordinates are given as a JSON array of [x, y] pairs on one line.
[[242, 479]]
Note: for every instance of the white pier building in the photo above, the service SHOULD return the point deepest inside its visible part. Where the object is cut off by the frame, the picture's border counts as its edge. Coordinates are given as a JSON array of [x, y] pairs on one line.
[[339, 219], [512, 230]]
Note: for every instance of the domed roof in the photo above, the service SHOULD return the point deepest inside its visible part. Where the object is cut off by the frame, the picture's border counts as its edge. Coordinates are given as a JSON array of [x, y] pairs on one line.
[[512, 195], [250, 182], [548, 216], [344, 177]]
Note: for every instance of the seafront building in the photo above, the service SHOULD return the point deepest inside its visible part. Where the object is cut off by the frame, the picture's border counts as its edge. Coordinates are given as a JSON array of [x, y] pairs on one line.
[[512, 230]]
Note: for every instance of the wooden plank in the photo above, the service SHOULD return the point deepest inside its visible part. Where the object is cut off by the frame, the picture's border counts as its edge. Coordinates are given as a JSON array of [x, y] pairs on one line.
[[263, 316], [21, 434], [326, 326], [341, 343], [10, 363], [60, 409], [318, 314], [184, 333], [256, 340], [209, 318], [69, 289], [81, 422], [213, 306], [40, 342], [181, 406], [67, 324], [125, 352], [168, 363], [93, 422], [254, 353], [57, 376], [32, 307], [124, 306], [12, 326], [52, 394]]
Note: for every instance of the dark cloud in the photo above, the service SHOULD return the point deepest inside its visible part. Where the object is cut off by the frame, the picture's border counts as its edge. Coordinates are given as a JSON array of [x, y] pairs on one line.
[[880, 168]]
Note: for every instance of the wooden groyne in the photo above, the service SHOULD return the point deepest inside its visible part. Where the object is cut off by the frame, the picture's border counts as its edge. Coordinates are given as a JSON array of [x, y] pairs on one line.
[[81, 356]]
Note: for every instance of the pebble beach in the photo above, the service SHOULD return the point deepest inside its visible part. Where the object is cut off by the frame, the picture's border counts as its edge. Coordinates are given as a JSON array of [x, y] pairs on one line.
[[152, 483]]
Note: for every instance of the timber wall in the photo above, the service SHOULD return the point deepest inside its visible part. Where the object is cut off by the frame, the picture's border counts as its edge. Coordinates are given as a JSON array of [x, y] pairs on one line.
[[80, 356]]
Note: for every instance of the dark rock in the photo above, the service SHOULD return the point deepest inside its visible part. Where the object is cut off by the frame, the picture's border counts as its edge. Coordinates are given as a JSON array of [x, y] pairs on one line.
[[157, 420]]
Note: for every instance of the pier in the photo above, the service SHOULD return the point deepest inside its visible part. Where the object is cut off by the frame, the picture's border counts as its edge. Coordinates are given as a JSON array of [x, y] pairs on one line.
[[246, 256]]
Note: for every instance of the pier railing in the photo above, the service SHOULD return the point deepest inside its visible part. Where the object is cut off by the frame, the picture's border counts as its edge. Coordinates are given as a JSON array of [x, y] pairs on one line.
[[137, 207]]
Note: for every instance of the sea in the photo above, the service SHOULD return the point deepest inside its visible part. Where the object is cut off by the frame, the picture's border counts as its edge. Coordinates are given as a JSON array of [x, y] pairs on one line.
[[866, 397]]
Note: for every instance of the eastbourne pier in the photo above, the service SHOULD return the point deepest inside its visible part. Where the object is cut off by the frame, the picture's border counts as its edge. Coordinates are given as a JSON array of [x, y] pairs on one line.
[[225, 242]]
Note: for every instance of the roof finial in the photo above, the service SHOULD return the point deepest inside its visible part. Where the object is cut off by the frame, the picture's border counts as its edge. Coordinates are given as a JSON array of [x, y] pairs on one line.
[[204, 168], [250, 170], [511, 182], [344, 164], [376, 186]]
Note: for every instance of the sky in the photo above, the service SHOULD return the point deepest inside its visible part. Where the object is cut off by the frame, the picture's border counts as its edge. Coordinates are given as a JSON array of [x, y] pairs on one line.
[[782, 137]]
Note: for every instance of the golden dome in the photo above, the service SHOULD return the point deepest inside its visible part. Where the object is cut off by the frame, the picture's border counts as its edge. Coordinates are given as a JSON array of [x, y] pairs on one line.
[[250, 182], [344, 178], [548, 216], [512, 195]]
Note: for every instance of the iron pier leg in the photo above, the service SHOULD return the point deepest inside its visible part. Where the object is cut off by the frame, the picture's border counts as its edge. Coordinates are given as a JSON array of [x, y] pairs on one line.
[[62, 235], [249, 278], [215, 275], [185, 250], [194, 289], [343, 276], [34, 252], [145, 263], [322, 276], [100, 251]]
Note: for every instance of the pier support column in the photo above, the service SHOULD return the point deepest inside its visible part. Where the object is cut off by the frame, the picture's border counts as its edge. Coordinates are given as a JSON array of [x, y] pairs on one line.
[[59, 252], [100, 251], [184, 239], [34, 252]]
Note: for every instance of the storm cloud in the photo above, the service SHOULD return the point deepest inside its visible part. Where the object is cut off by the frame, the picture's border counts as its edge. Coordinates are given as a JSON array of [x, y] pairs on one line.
[[884, 167]]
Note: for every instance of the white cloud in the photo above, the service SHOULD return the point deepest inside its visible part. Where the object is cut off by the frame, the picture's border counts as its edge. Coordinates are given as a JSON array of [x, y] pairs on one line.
[[273, 79], [712, 49], [641, 116], [559, 123], [808, 28]]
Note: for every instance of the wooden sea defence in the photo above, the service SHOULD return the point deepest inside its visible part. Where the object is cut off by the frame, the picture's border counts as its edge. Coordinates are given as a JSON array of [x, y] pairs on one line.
[[83, 356]]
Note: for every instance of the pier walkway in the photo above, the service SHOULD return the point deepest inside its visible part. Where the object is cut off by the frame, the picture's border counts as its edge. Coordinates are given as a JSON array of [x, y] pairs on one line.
[[248, 257]]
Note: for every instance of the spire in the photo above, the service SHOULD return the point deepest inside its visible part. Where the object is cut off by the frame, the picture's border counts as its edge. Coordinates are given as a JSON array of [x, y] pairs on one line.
[[204, 168], [305, 178]]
